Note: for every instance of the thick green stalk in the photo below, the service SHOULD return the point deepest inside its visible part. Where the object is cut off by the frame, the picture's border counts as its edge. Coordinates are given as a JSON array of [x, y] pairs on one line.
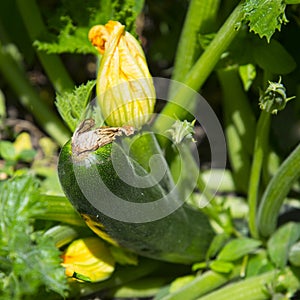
[[276, 192], [239, 126], [16, 78], [50, 62], [203, 284], [200, 71], [199, 19], [62, 235], [260, 150], [59, 209], [255, 288]]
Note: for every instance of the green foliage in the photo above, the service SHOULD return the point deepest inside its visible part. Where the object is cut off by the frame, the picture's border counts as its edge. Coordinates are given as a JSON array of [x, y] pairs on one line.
[[30, 262], [265, 17], [73, 20], [126, 12], [71, 105], [70, 40], [280, 243], [237, 248], [273, 58]]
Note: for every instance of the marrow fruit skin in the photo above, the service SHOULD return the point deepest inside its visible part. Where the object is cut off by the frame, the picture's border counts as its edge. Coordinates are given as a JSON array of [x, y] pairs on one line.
[[181, 237]]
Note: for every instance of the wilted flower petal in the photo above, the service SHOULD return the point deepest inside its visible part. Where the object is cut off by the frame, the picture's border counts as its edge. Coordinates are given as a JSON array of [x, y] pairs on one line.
[[125, 87]]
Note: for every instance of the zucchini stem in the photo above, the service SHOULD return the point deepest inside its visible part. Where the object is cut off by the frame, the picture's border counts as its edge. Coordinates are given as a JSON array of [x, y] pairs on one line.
[[276, 192], [199, 73], [260, 150]]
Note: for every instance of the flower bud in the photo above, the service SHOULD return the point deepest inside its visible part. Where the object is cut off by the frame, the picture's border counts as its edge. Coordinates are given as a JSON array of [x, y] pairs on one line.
[[88, 259], [125, 89], [274, 98]]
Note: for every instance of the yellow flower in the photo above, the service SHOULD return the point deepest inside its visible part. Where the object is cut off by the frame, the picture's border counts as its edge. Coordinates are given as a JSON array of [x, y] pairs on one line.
[[88, 259], [125, 89]]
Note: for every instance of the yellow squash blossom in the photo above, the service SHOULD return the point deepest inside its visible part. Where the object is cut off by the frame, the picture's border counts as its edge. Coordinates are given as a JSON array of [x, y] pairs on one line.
[[88, 259], [125, 89]]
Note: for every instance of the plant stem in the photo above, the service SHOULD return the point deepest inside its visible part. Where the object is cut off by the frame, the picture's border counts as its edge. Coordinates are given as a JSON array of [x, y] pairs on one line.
[[199, 19], [260, 150], [16, 78], [239, 126], [199, 73], [254, 288], [62, 234], [276, 192], [51, 62], [203, 284], [59, 209], [250, 289]]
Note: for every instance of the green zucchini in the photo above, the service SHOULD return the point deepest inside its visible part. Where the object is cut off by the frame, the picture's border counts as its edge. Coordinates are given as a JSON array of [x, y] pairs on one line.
[[183, 236]]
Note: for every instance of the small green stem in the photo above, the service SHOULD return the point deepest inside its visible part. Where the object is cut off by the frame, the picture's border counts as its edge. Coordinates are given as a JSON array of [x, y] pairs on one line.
[[199, 19], [51, 62], [260, 150], [276, 192], [16, 78], [199, 73]]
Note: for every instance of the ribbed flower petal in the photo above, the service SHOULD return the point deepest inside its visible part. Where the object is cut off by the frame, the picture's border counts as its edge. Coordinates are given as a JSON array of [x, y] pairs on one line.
[[125, 89]]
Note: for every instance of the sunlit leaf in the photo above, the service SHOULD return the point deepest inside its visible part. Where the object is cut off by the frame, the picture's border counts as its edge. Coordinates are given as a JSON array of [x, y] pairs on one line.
[[247, 74], [238, 248], [294, 255], [73, 19], [281, 241], [265, 17], [29, 259], [71, 105], [221, 266]]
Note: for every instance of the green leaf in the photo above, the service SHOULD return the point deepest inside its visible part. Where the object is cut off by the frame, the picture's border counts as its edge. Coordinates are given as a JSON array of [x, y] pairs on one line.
[[73, 20], [126, 12], [294, 255], [71, 39], [238, 248], [258, 264], [281, 241], [71, 23], [7, 151], [217, 243], [29, 260], [265, 16], [273, 58], [221, 266], [71, 105], [27, 155], [247, 74]]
